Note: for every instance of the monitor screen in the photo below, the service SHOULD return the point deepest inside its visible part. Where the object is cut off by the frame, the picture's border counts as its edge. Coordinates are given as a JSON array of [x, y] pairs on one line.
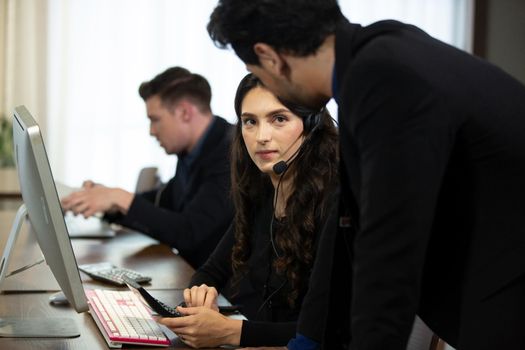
[[43, 206]]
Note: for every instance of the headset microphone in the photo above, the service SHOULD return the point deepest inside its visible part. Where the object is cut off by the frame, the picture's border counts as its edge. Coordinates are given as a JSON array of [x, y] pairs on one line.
[[280, 167]]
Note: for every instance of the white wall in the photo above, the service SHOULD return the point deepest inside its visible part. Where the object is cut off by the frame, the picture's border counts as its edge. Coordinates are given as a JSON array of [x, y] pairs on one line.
[[100, 51]]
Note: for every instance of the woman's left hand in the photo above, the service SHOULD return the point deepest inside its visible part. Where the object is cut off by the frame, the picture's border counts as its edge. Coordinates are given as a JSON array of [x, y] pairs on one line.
[[203, 327]]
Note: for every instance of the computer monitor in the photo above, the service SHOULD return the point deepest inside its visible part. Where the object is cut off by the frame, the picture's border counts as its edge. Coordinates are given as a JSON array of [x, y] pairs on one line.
[[43, 209]]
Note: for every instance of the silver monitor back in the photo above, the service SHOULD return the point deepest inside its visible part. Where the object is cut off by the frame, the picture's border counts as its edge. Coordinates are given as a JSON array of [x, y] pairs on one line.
[[43, 206]]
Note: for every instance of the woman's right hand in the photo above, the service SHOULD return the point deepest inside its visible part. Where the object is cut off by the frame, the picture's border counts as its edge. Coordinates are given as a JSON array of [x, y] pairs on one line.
[[201, 296], [202, 327]]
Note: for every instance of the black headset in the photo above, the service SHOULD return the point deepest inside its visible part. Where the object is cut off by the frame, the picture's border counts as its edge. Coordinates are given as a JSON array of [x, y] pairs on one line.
[[312, 121]]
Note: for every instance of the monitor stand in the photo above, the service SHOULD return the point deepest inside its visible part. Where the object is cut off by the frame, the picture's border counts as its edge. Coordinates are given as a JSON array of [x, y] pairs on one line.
[[49, 327]]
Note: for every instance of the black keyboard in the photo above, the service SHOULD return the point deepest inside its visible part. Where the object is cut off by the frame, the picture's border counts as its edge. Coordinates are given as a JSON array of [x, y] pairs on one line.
[[109, 273]]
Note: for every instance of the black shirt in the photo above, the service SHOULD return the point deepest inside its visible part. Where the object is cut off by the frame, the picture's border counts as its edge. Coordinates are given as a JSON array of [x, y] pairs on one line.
[[262, 292]]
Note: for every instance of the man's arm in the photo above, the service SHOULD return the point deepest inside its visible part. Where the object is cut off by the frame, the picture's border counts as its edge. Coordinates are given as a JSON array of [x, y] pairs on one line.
[[194, 228], [404, 140], [313, 318], [94, 199]]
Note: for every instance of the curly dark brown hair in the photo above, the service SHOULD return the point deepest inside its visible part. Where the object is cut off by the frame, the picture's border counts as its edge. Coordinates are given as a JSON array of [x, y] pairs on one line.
[[315, 168]]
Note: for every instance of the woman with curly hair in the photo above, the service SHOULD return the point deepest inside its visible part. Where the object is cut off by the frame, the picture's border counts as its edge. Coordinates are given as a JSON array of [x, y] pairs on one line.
[[284, 182]]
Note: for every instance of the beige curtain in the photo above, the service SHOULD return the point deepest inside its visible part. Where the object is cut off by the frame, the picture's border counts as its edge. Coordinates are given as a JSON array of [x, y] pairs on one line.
[[3, 10], [23, 56]]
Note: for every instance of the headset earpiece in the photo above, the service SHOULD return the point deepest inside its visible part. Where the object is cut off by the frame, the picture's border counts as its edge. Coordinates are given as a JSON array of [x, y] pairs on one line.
[[312, 121]]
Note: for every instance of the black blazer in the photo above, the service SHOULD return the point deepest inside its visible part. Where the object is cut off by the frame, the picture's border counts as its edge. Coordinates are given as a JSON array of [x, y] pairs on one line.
[[433, 152], [192, 219]]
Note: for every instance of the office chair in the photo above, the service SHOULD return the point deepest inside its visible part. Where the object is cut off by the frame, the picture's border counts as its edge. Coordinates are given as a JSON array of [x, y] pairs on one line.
[[437, 343], [422, 338], [147, 180]]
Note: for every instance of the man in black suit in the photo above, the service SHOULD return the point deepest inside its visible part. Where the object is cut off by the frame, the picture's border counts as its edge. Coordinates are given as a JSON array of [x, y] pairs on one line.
[[433, 170], [193, 210]]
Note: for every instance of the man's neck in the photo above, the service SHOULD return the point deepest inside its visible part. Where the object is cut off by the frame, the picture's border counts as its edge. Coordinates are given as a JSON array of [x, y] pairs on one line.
[[202, 122]]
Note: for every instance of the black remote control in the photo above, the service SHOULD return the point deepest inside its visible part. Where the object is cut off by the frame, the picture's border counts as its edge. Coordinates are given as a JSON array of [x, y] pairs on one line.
[[165, 310], [158, 306]]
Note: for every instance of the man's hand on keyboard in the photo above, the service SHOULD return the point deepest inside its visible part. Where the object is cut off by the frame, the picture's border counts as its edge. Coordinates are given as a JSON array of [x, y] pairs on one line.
[[89, 184], [201, 296], [94, 198], [204, 327]]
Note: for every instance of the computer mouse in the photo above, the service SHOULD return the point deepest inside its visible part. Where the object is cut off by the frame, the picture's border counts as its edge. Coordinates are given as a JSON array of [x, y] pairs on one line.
[[58, 299]]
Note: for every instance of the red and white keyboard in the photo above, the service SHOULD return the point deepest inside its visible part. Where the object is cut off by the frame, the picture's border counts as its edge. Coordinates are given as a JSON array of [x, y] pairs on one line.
[[123, 319]]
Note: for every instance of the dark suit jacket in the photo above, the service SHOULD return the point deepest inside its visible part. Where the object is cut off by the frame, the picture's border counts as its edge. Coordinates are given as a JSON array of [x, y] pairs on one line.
[[433, 148], [194, 218]]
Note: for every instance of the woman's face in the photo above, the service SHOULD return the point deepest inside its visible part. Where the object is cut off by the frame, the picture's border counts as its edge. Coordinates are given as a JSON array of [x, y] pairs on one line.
[[270, 131]]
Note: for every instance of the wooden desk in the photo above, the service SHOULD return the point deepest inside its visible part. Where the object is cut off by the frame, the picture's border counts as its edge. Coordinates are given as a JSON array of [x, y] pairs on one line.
[[128, 249], [138, 252], [37, 305], [29, 291]]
